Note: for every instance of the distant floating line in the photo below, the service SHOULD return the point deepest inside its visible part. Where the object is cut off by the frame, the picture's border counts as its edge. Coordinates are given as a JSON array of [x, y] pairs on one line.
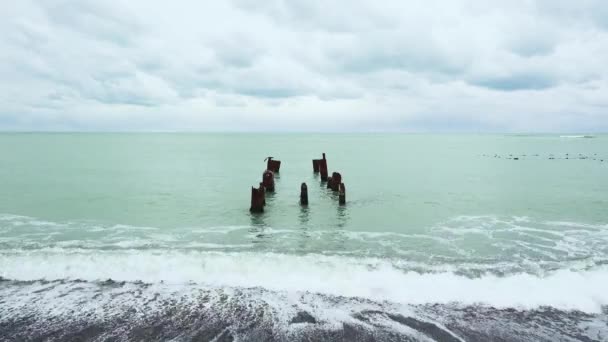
[[565, 156]]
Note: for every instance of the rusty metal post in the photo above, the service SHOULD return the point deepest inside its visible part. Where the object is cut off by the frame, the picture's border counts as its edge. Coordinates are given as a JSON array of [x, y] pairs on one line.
[[342, 194], [334, 181], [257, 201], [303, 194], [315, 165], [268, 180], [273, 165], [323, 168], [263, 191]]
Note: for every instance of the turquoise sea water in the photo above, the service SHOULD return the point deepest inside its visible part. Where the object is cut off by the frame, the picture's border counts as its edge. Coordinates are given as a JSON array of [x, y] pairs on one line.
[[429, 218]]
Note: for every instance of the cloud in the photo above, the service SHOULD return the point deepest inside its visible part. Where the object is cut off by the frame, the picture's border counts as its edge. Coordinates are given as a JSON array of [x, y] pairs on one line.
[[96, 20], [465, 65], [512, 82]]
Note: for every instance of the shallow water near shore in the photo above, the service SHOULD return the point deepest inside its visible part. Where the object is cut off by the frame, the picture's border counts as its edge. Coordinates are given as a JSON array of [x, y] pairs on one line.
[[443, 237]]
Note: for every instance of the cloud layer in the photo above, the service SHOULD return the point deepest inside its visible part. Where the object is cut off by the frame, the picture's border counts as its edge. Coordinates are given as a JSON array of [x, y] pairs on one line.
[[430, 65]]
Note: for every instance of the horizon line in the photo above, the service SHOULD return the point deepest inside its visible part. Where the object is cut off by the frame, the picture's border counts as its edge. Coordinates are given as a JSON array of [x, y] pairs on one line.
[[302, 132]]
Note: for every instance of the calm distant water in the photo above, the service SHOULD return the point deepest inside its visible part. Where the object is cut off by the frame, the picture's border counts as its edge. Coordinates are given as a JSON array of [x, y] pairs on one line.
[[436, 228]]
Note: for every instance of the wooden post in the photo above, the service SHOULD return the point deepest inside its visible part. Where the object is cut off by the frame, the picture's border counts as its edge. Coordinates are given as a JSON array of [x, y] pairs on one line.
[[315, 165], [334, 181], [323, 168], [263, 191], [268, 180], [273, 165], [342, 194], [303, 194], [257, 200]]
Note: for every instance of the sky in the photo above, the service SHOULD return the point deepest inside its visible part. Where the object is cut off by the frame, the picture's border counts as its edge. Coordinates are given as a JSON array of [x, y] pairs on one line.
[[304, 65]]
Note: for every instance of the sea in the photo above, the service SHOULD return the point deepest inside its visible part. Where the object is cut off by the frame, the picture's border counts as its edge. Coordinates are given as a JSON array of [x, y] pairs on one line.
[[446, 237]]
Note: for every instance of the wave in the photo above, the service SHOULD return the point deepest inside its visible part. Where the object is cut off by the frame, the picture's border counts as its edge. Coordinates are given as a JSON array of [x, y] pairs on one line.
[[577, 136], [255, 283], [512, 245], [371, 278]]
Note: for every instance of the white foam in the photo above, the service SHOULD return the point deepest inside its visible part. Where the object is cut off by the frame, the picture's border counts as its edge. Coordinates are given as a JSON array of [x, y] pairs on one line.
[[585, 226], [219, 229], [576, 136], [129, 227], [376, 279], [12, 217]]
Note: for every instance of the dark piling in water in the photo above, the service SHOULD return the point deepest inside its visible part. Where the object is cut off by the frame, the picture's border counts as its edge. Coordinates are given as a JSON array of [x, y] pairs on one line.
[[268, 180], [257, 200], [263, 190], [273, 165], [315, 165], [342, 194], [334, 182], [303, 194], [323, 168]]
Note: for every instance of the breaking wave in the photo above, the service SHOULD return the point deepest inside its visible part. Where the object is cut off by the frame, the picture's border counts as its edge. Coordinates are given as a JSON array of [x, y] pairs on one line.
[[577, 136], [370, 278]]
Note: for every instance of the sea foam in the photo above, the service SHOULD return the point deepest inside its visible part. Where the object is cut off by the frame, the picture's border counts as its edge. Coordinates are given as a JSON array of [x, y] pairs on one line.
[[370, 278]]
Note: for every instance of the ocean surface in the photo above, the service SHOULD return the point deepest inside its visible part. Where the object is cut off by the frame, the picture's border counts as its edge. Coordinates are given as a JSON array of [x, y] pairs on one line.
[[113, 237]]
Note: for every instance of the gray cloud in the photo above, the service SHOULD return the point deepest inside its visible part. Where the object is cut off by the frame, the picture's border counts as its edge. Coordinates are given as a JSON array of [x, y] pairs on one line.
[[394, 65], [535, 81], [93, 19]]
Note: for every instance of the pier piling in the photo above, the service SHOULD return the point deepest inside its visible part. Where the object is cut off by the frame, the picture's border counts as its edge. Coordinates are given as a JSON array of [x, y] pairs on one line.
[[342, 194], [315, 165], [257, 200], [323, 168], [263, 191], [273, 165], [334, 181], [268, 180], [303, 194]]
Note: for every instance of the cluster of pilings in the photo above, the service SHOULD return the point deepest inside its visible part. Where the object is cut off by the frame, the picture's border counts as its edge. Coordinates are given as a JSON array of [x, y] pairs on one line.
[[258, 195], [334, 182]]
